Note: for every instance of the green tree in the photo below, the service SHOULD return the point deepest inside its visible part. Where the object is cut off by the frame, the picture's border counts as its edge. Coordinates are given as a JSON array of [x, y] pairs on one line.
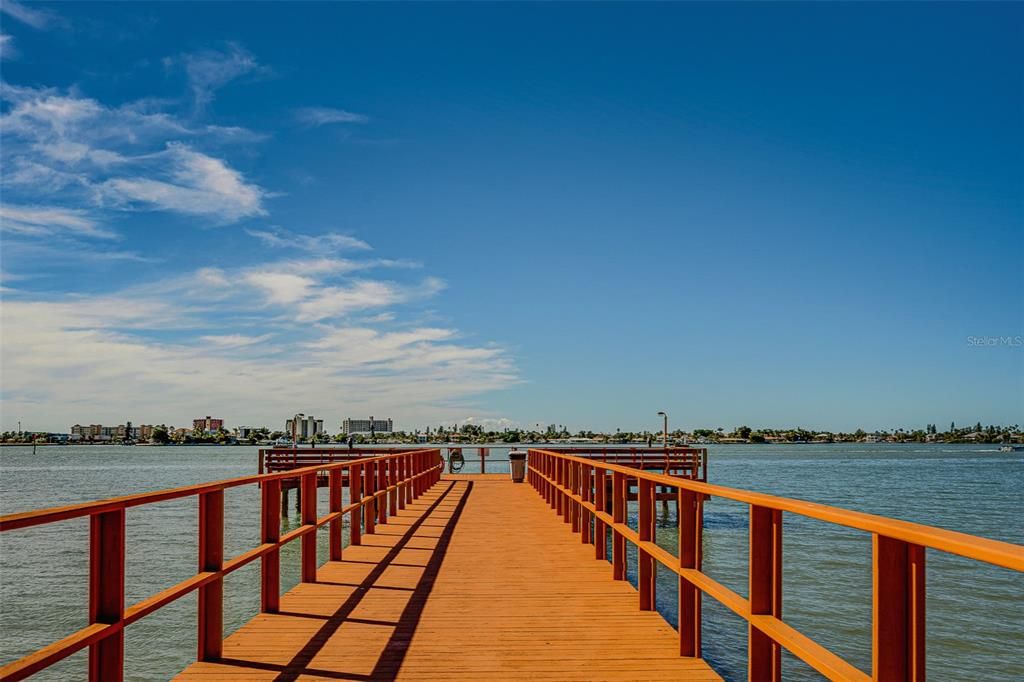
[[161, 436]]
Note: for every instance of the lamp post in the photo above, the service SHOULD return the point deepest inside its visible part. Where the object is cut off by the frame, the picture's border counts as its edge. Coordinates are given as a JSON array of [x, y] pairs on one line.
[[665, 433]]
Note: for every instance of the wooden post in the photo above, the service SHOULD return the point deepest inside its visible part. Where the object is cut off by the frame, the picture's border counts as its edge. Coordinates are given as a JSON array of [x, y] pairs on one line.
[[284, 503], [645, 567], [586, 495], [211, 558], [382, 486], [355, 494], [403, 473], [106, 592], [689, 595], [764, 656], [334, 505], [369, 485], [309, 518], [393, 482], [270, 563], [600, 529], [618, 516], [898, 632], [573, 507]]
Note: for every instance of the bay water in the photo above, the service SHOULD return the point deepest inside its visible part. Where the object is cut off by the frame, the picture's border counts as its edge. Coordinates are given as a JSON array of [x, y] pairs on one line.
[[975, 623]]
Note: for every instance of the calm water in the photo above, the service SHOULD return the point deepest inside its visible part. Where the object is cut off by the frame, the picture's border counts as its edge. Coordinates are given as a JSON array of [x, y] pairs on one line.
[[975, 612]]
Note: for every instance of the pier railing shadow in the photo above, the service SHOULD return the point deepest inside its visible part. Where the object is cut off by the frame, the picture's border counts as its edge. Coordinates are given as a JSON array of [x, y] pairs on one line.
[[379, 487], [450, 502]]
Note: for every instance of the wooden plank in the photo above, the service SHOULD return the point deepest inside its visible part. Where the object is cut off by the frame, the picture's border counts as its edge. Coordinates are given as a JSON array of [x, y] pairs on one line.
[[431, 595]]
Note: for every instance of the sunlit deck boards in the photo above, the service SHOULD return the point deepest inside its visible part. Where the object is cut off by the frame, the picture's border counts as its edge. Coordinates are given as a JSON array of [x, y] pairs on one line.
[[476, 580]]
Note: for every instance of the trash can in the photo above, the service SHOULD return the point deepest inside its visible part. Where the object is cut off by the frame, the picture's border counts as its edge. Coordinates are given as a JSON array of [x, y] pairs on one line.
[[517, 463]]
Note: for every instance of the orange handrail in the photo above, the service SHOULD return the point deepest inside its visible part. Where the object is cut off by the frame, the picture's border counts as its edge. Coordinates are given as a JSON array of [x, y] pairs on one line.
[[381, 485], [577, 488]]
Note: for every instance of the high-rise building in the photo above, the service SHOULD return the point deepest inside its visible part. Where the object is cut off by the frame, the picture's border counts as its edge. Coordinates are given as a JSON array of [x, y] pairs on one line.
[[362, 426], [208, 424], [305, 426]]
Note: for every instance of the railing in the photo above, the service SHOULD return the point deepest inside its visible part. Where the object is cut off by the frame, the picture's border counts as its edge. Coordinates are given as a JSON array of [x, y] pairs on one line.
[[678, 461], [692, 461], [578, 489], [380, 485], [286, 459]]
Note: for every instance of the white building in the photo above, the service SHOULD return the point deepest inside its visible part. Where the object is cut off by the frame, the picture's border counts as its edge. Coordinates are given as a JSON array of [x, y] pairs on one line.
[[365, 426], [305, 426]]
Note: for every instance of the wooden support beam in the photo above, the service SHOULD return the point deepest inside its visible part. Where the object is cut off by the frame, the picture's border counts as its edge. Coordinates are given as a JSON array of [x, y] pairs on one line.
[[270, 563], [211, 558], [355, 494], [764, 655], [106, 592], [618, 516], [308, 518], [689, 594], [645, 562], [898, 632], [334, 505]]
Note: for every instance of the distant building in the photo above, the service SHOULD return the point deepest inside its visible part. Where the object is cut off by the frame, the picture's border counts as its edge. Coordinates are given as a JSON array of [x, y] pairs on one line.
[[245, 432], [208, 424], [305, 426], [365, 426]]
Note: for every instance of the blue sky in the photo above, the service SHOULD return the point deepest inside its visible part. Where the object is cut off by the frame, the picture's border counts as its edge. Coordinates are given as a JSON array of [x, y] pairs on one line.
[[560, 213]]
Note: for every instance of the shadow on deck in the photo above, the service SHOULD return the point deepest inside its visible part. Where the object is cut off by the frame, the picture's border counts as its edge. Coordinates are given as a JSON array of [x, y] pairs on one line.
[[474, 580]]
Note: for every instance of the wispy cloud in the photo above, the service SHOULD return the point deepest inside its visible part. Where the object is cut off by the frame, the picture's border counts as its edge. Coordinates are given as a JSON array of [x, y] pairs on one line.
[[329, 241], [36, 18], [195, 184], [318, 116], [48, 220], [56, 351], [210, 70], [7, 49]]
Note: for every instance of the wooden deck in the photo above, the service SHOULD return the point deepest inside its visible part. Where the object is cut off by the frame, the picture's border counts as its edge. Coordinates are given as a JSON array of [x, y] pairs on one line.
[[477, 580]]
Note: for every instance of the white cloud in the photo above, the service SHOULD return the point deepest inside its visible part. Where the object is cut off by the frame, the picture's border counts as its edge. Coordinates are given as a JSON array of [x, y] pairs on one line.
[[56, 353], [125, 157], [196, 184], [210, 70], [280, 287], [48, 220], [330, 241], [36, 18], [233, 340], [7, 49], [318, 116]]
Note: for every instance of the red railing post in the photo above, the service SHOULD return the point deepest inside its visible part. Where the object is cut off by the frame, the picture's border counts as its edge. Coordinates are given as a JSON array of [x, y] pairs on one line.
[[382, 487], [355, 496], [106, 592], [600, 529], [764, 655], [211, 558], [401, 476], [898, 632], [309, 519], [334, 506], [689, 595], [645, 562], [270, 563], [618, 516], [573, 508], [393, 483], [369, 486], [586, 495], [410, 470]]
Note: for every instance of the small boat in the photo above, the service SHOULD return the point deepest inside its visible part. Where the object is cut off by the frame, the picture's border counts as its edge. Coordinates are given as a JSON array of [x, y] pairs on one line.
[[1012, 448]]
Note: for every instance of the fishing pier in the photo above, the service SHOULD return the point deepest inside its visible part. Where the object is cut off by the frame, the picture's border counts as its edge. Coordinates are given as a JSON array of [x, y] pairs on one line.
[[549, 598]]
